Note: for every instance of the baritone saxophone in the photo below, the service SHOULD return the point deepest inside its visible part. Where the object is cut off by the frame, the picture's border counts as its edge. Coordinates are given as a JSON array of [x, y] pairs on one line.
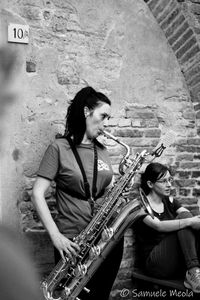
[[115, 213]]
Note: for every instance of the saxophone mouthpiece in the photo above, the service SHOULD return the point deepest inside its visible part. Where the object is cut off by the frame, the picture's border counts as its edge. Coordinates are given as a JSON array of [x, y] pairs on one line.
[[109, 135]]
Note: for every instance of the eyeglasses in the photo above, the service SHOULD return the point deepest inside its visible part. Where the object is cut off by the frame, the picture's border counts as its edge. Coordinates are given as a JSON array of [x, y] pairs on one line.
[[166, 180]]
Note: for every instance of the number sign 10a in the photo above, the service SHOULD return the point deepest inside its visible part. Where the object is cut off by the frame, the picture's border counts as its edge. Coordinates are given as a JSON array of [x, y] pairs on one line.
[[18, 33]]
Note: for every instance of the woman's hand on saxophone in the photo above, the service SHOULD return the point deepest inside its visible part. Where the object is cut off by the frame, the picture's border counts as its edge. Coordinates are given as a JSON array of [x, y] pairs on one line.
[[63, 244]]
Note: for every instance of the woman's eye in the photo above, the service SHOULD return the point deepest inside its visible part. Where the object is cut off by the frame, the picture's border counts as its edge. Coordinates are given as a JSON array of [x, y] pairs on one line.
[[105, 116]]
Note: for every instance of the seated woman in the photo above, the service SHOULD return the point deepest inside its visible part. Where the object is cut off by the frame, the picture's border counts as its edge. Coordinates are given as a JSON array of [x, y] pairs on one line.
[[168, 242]]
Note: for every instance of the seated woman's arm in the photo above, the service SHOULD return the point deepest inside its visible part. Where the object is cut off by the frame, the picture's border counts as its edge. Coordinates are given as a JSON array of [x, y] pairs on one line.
[[172, 225], [59, 240]]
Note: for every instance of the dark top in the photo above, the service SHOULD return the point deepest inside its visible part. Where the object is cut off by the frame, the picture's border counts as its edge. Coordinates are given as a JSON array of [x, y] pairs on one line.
[[147, 237], [59, 164]]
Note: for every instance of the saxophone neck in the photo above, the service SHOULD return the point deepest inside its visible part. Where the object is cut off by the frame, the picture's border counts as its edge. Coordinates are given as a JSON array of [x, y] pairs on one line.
[[127, 154]]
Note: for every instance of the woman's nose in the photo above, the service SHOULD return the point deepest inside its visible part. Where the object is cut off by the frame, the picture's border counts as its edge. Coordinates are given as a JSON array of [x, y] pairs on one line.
[[169, 183]]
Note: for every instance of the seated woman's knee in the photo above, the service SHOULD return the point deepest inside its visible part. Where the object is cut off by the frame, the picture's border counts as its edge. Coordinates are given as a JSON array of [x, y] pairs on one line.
[[184, 215]]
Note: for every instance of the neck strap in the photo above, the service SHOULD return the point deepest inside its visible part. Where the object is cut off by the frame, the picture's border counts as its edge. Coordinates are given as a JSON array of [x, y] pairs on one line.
[[95, 171]]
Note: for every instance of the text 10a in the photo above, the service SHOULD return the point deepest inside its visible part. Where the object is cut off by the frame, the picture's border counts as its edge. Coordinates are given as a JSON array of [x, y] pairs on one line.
[[18, 33]]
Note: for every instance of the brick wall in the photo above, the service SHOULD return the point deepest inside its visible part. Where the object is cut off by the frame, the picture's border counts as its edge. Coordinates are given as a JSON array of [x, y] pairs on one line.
[[144, 55], [179, 21]]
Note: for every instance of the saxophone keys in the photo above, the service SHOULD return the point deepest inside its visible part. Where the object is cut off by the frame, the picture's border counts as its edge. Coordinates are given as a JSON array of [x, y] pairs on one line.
[[67, 291], [94, 252], [122, 201], [80, 271], [86, 290], [83, 270], [107, 234]]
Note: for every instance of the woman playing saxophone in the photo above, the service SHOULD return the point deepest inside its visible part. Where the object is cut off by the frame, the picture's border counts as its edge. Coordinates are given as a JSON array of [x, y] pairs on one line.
[[80, 166]]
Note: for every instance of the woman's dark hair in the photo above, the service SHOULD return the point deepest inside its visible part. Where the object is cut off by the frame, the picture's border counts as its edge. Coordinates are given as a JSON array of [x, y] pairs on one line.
[[75, 118], [153, 172]]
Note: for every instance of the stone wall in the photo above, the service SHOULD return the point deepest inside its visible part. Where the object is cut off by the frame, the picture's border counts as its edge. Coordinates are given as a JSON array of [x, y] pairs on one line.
[[144, 55]]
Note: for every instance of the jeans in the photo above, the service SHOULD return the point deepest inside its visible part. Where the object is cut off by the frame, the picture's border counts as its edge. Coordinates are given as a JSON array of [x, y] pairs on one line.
[[175, 254]]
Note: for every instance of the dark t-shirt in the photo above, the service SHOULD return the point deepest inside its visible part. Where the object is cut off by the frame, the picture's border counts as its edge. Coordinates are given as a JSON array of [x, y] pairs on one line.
[[147, 237], [59, 164]]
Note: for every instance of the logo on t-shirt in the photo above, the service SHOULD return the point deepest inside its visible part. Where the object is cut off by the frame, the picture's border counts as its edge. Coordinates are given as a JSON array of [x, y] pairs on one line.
[[102, 165]]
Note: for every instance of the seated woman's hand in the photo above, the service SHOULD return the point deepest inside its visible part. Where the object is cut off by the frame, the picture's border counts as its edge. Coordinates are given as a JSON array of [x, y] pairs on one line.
[[63, 244], [195, 222]]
